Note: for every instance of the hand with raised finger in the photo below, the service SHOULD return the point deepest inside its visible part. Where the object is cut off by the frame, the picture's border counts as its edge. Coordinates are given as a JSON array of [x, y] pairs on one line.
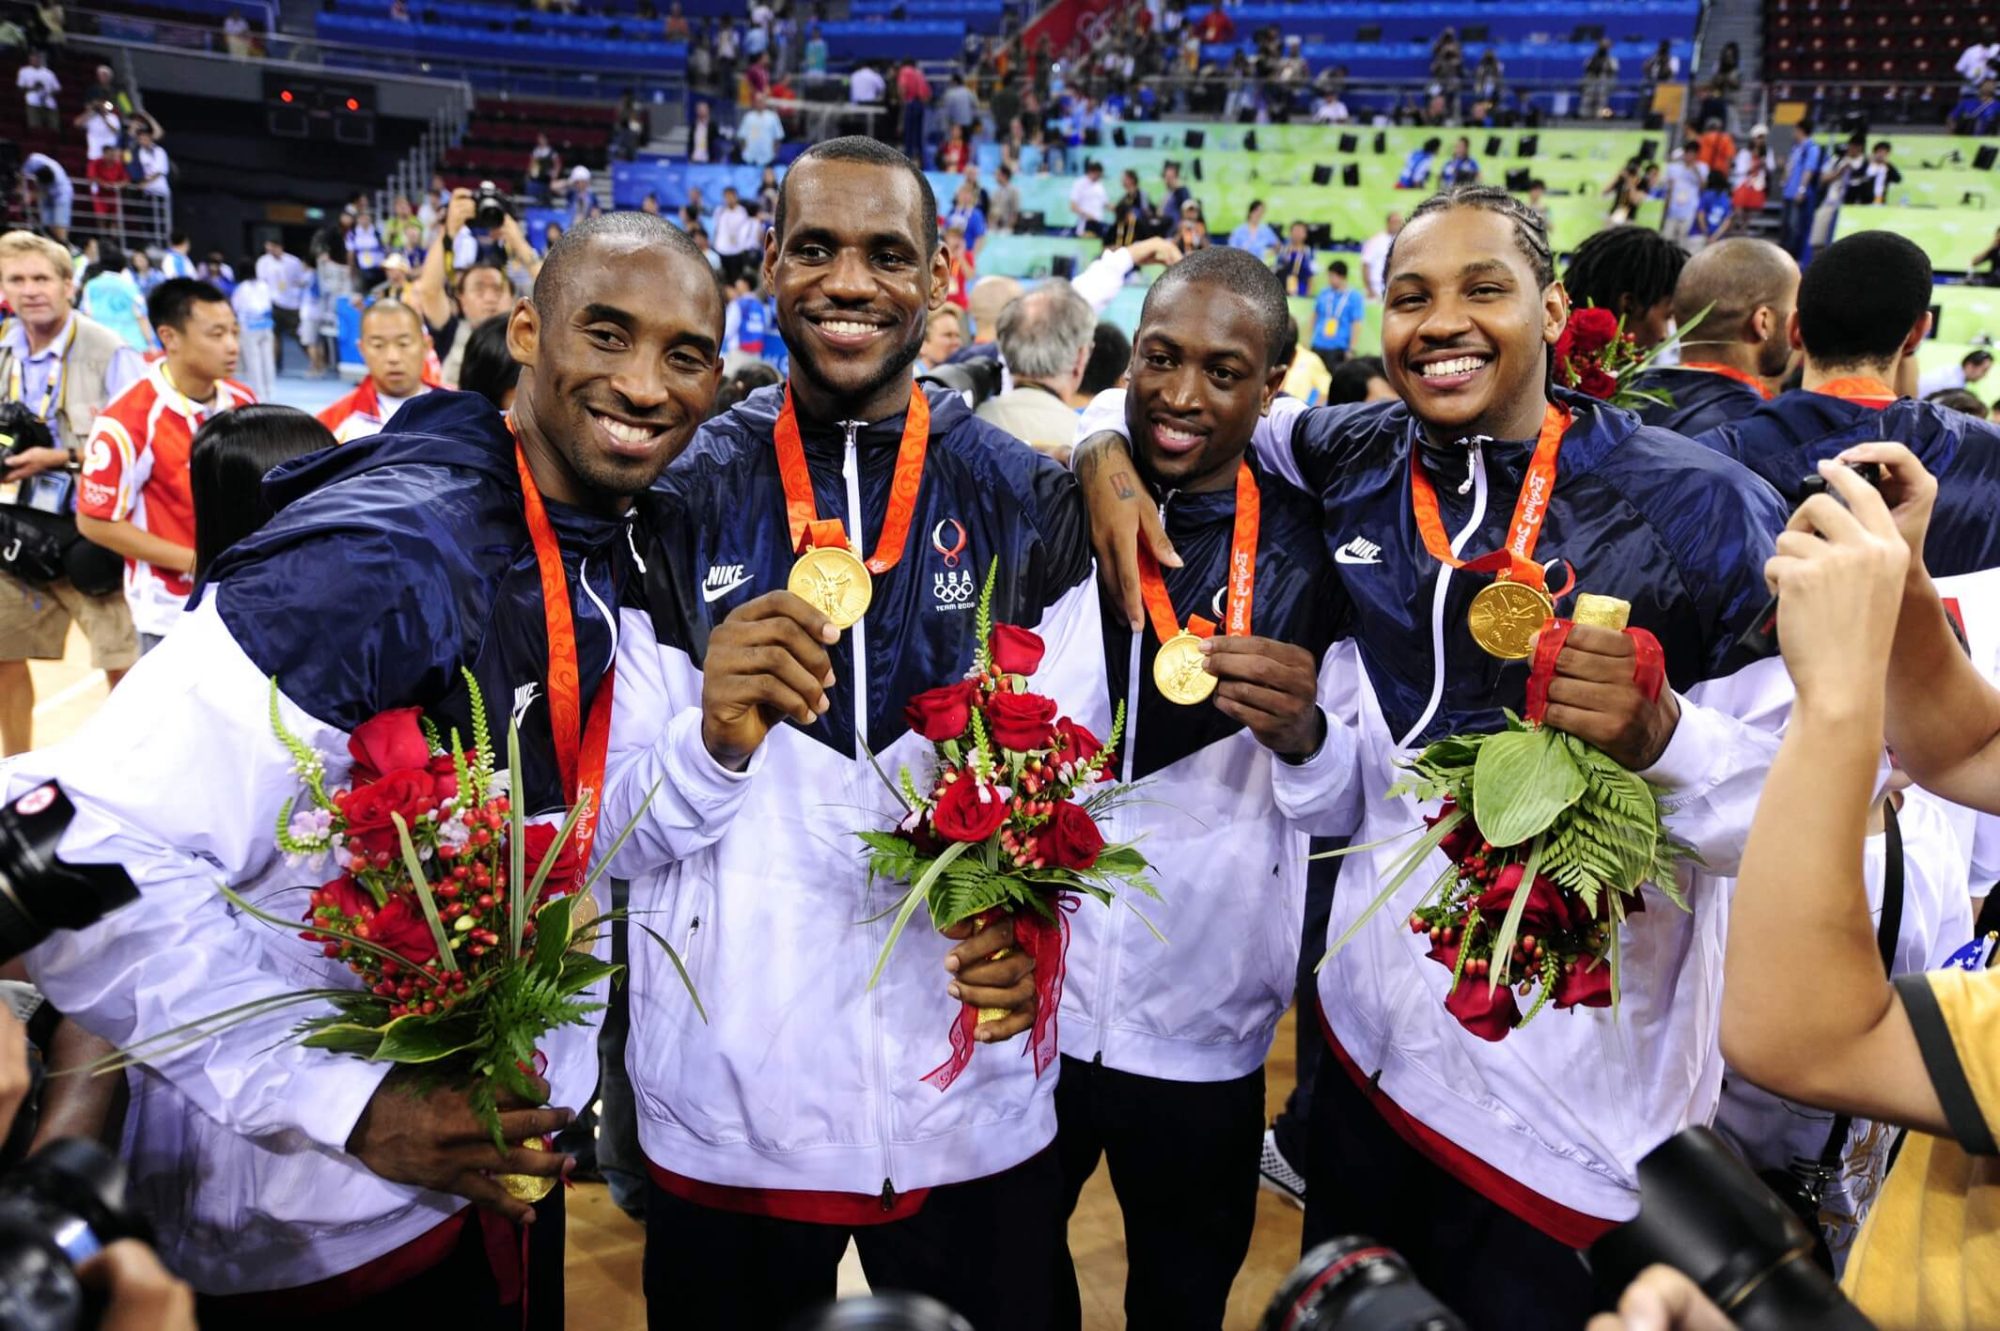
[[1272, 688], [1907, 488], [991, 972], [766, 662], [1122, 516], [1594, 694], [428, 1136]]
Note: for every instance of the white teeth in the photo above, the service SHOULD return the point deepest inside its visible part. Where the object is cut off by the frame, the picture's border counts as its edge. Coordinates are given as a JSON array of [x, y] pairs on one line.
[[1167, 434], [1463, 365], [845, 328], [626, 434]]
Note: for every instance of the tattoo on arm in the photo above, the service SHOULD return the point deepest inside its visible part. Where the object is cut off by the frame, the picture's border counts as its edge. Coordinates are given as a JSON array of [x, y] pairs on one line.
[[1124, 486]]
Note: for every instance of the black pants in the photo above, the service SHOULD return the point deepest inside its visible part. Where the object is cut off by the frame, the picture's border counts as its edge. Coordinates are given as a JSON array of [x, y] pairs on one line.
[[458, 1292], [285, 324], [1183, 1160], [1496, 1271], [1292, 1127], [987, 1248]]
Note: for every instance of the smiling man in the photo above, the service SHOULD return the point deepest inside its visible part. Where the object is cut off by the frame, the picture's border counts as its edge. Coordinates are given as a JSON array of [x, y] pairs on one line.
[[798, 1115], [1163, 1047], [395, 564], [1488, 1164], [392, 346]]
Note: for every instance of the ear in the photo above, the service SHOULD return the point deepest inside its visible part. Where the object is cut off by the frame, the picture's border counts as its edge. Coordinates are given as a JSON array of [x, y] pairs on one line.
[[1082, 362], [1555, 312], [524, 332], [1792, 336], [1918, 333], [1274, 381], [1761, 321], [940, 275], [770, 265]]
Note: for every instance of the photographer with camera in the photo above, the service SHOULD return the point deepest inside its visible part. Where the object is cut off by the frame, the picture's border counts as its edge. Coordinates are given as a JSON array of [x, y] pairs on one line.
[[457, 290], [58, 369], [1807, 1009]]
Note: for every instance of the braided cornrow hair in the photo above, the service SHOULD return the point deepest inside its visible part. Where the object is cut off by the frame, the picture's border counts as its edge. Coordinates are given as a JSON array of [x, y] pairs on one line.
[[1529, 233], [1633, 261]]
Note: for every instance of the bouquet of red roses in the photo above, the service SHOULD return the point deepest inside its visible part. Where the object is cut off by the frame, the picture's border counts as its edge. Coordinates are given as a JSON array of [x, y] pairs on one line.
[[1006, 821], [468, 930], [1595, 355]]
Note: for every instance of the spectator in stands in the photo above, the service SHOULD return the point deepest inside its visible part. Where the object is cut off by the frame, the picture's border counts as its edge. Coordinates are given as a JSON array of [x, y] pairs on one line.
[[694, 213], [1173, 194], [175, 260], [959, 106], [1132, 214], [236, 38], [675, 27], [700, 237], [913, 95], [968, 216], [1088, 200], [1978, 112], [1295, 262], [1846, 172], [867, 87], [286, 278], [1960, 400], [1600, 76], [134, 496], [106, 88], [1255, 234], [704, 144], [152, 170], [1733, 359], [954, 152], [392, 347], [1375, 254], [366, 250], [256, 331], [488, 369], [64, 367], [1718, 99], [483, 289], [1330, 110], [1873, 182], [1045, 339], [403, 233], [39, 86], [944, 334], [1416, 173], [737, 235], [1460, 168], [1487, 77], [1337, 313], [1750, 174], [111, 297], [333, 286], [1717, 148], [1662, 66], [1537, 201], [1803, 166], [1976, 63], [1631, 271], [1970, 369], [48, 194], [103, 132], [1714, 215], [1005, 212], [760, 132], [1216, 27], [1685, 178], [983, 304], [1192, 233]]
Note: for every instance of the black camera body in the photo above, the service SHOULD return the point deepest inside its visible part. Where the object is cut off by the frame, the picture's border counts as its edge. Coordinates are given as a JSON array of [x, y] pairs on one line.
[[491, 206], [60, 1208], [21, 429], [40, 893]]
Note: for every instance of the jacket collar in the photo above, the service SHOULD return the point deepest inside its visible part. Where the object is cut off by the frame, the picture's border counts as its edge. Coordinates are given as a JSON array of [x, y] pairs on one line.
[[1596, 427]]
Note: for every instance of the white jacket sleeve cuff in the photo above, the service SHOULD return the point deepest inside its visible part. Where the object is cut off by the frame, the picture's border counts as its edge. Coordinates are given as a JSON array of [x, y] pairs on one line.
[[1699, 740], [1101, 282], [1322, 794]]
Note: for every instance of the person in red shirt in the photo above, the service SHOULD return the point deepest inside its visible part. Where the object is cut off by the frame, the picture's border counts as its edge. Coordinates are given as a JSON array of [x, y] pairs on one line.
[[1217, 26], [1717, 147], [394, 348], [913, 91], [135, 497]]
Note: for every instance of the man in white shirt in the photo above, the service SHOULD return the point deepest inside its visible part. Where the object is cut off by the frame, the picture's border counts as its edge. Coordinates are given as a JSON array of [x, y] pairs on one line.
[[40, 85], [1975, 62], [284, 276], [760, 132], [735, 236], [1330, 111], [866, 85], [102, 164], [150, 171], [1088, 200], [1970, 370], [1375, 254]]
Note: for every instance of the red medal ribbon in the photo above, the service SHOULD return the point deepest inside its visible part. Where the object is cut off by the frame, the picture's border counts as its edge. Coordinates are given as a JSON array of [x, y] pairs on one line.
[[1045, 940], [1749, 381], [810, 532], [1512, 561], [1649, 665], [1860, 390], [581, 746], [1242, 571]]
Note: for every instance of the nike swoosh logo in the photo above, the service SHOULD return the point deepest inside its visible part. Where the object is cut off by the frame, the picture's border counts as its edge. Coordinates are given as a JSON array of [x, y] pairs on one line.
[[710, 595], [1346, 556]]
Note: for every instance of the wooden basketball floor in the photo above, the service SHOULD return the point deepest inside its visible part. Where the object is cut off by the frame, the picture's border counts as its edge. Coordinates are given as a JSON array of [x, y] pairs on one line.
[[604, 1246]]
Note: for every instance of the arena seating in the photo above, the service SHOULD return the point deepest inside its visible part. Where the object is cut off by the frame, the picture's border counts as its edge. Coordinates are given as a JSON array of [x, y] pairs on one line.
[[1545, 62], [1477, 23], [500, 134], [75, 70]]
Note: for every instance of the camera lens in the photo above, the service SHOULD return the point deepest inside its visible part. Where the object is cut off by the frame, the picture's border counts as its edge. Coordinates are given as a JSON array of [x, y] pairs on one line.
[[38, 892], [884, 1312], [57, 1210], [1355, 1284]]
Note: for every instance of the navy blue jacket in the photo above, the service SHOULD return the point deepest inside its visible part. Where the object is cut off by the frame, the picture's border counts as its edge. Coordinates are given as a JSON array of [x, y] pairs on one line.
[[1637, 512], [394, 560], [1784, 440], [1297, 600], [715, 535], [1702, 399]]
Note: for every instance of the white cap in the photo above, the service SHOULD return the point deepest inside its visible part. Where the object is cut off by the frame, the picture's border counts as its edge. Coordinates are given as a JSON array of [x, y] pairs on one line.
[[1760, 131]]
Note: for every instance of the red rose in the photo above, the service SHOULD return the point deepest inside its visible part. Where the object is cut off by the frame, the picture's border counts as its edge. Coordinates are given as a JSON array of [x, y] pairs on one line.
[[1070, 839], [446, 777], [386, 742], [345, 895], [1020, 721], [1590, 330], [1488, 1012], [1462, 840], [1076, 745], [1446, 954], [1597, 383], [942, 714], [966, 812], [411, 792], [536, 839], [1549, 909], [1015, 650], [401, 927], [1585, 982]]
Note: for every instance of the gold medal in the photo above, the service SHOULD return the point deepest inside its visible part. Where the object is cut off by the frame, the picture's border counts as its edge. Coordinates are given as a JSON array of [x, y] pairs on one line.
[[832, 581], [528, 1187], [1606, 612], [1178, 670], [1506, 615]]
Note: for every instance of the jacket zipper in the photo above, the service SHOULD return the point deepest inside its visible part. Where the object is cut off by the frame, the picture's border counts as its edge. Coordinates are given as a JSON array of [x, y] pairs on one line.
[[1475, 478], [850, 468]]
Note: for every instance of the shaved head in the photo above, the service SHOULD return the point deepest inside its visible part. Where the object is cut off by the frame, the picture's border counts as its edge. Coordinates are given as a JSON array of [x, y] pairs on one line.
[[390, 309], [988, 297], [555, 283], [1735, 276]]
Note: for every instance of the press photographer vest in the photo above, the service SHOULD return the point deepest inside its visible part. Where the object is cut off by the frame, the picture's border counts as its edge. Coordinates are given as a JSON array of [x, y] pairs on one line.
[[82, 393]]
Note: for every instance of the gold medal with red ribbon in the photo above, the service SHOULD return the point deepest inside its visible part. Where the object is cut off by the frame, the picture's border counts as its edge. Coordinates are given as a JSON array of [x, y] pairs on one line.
[[1178, 670], [829, 576], [1506, 613]]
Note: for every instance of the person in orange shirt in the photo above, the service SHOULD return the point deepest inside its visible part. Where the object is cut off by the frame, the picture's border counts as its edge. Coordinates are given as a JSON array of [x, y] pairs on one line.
[[135, 496], [1718, 147], [394, 348]]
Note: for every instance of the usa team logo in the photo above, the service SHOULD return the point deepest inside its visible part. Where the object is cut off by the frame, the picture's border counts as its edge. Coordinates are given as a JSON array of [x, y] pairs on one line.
[[953, 587]]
